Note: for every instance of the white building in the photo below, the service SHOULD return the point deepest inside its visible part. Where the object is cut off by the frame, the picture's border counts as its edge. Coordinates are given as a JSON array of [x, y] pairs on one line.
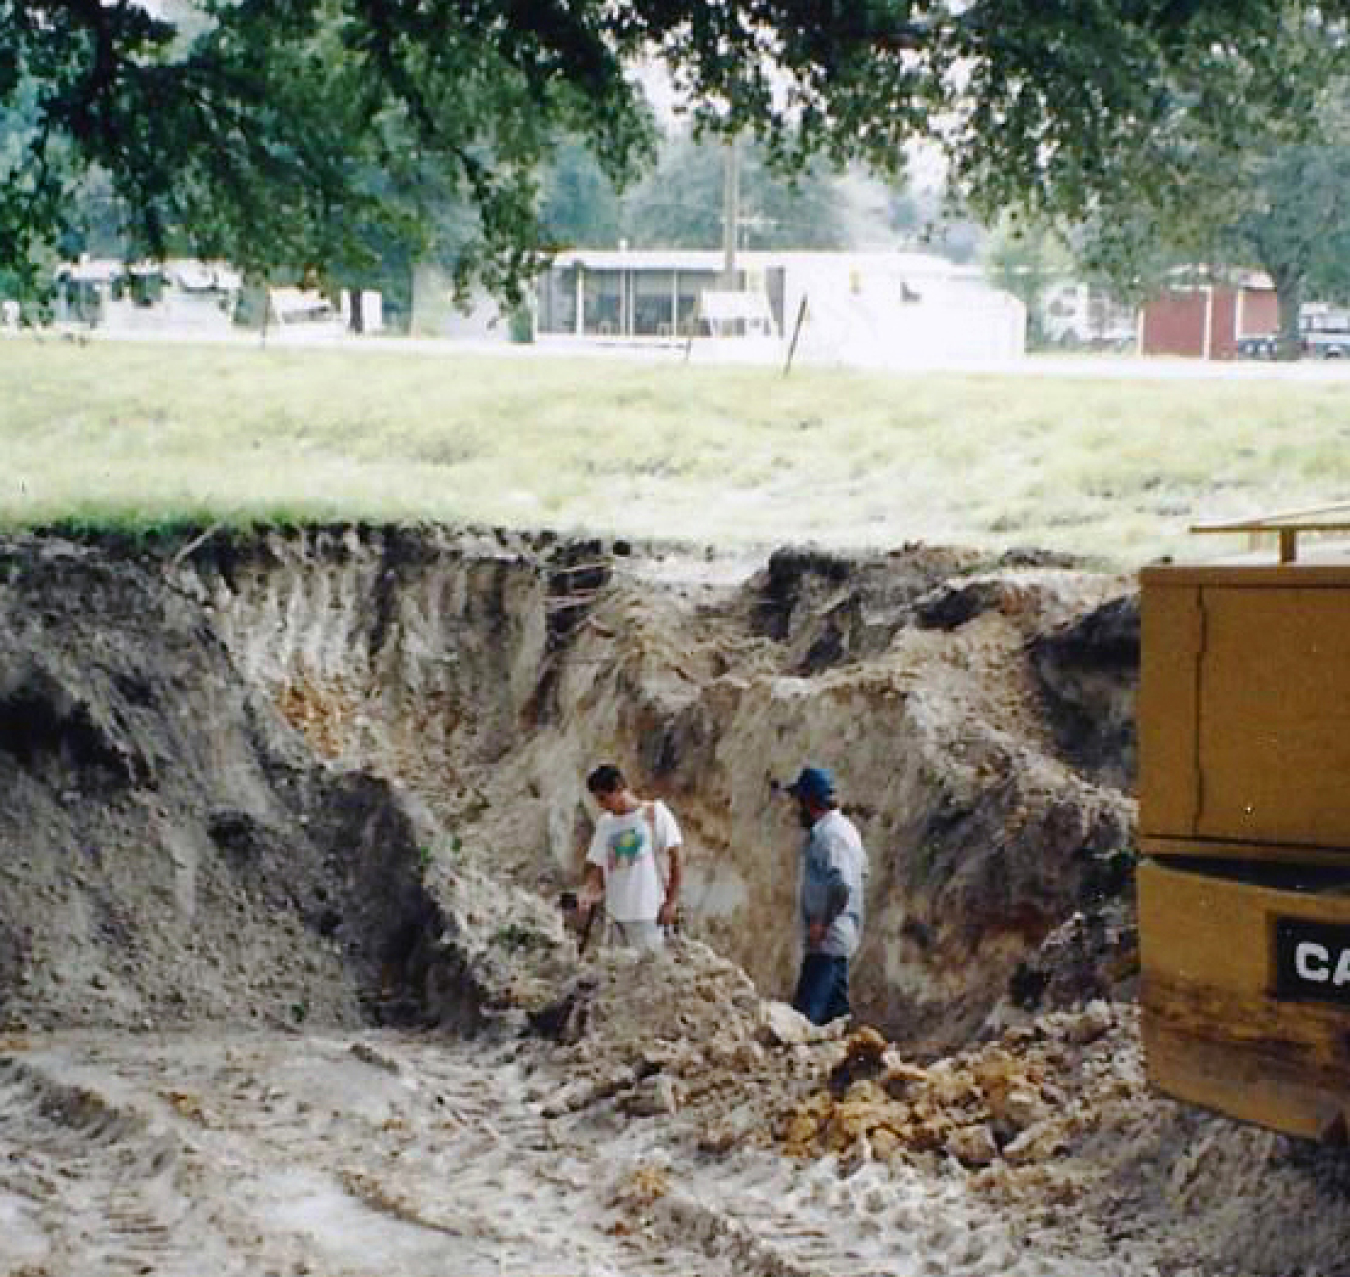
[[868, 308], [185, 297], [1081, 315], [180, 295]]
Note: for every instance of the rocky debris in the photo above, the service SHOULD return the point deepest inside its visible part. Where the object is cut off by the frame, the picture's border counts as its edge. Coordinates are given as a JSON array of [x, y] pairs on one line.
[[681, 1033], [682, 1037], [864, 1057], [653, 1096], [1051, 1124], [1054, 1124], [1006, 1102]]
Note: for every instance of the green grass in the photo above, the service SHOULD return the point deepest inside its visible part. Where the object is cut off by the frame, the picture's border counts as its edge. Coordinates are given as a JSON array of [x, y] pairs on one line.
[[143, 435]]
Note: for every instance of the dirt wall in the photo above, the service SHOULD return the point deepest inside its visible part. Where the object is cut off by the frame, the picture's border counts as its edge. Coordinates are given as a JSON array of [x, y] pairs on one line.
[[170, 849], [488, 672]]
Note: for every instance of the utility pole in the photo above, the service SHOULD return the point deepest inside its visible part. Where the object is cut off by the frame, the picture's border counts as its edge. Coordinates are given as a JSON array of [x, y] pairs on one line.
[[731, 211]]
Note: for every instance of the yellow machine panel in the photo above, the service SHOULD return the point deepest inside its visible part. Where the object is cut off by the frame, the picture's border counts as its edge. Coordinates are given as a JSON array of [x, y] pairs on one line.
[[1244, 714], [1245, 991], [1244, 813]]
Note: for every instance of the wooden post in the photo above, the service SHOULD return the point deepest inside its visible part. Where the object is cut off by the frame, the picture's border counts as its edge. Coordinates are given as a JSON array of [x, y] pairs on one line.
[[796, 332], [731, 211]]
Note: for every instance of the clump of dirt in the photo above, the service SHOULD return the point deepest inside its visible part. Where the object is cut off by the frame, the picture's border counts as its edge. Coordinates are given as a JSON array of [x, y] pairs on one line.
[[1005, 1103], [1054, 1122]]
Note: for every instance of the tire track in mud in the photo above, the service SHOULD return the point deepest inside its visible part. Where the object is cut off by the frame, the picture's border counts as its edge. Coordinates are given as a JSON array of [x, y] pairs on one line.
[[775, 1219], [296, 1155], [286, 1157], [334, 1157], [86, 1186]]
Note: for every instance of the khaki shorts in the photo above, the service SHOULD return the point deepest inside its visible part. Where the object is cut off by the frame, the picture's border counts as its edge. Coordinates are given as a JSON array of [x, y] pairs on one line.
[[648, 936]]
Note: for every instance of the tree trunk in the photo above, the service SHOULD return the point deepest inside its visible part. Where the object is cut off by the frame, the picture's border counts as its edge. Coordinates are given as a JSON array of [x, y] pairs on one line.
[[1289, 296]]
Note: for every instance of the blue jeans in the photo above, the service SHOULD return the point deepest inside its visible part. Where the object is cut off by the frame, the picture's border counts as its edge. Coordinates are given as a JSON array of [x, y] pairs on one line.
[[822, 988]]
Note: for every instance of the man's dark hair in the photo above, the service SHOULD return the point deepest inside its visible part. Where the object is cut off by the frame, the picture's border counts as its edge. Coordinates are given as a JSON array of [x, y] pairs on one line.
[[605, 779]]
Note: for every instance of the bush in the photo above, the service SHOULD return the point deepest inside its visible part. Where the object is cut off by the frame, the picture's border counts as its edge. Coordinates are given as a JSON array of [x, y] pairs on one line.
[[521, 326]]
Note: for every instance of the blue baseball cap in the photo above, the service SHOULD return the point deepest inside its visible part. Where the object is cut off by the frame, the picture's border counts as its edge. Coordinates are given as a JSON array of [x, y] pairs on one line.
[[816, 783]]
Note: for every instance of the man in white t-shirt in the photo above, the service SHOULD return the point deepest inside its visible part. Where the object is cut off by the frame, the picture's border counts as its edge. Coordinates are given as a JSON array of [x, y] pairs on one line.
[[624, 863]]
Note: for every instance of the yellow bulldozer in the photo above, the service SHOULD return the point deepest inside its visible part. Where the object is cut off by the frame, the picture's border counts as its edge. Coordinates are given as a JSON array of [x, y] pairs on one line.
[[1244, 816]]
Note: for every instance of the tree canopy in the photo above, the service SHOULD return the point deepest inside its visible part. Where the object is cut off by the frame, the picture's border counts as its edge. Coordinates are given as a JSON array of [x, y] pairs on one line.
[[299, 131], [1280, 202], [1284, 208]]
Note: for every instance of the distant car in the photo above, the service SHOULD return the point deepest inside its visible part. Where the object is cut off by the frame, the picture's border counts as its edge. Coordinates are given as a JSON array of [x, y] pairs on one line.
[[1323, 345], [1263, 347]]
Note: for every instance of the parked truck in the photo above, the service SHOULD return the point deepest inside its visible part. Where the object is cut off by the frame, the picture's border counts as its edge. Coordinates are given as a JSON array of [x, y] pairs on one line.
[[1325, 331]]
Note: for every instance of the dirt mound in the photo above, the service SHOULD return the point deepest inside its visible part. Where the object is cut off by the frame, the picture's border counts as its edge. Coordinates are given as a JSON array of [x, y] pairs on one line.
[[169, 847], [1044, 1141]]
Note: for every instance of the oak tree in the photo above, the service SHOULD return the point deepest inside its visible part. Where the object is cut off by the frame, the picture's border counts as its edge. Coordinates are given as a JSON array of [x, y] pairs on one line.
[[276, 130]]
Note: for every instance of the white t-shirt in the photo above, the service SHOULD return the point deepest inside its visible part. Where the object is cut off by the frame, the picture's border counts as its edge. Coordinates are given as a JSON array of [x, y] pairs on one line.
[[624, 849]]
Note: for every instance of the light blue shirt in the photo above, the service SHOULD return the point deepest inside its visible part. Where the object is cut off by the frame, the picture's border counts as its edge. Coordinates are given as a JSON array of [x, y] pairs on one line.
[[833, 855]]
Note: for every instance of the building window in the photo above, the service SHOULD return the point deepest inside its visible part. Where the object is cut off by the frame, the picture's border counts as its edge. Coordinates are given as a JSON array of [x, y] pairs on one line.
[[558, 301], [654, 303], [603, 303]]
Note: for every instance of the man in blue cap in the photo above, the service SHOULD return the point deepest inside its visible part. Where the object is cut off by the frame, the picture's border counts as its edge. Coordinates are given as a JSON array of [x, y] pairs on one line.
[[833, 877]]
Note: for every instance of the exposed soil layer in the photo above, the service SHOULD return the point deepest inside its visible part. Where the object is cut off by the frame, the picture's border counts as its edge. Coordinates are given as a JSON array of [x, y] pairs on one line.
[[172, 850], [231, 759], [328, 781], [487, 672]]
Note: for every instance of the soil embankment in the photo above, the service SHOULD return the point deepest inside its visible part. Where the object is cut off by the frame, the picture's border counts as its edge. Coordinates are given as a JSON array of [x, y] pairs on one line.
[[488, 673]]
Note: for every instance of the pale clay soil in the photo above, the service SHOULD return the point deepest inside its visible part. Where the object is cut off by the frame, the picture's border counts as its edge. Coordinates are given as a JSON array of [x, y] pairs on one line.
[[283, 988]]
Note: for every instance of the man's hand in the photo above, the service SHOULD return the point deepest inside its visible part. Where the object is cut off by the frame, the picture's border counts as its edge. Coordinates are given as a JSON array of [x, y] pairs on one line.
[[668, 912], [591, 893], [815, 934]]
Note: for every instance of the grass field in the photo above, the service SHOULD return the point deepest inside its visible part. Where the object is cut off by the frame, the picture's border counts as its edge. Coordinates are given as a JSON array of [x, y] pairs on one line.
[[145, 434]]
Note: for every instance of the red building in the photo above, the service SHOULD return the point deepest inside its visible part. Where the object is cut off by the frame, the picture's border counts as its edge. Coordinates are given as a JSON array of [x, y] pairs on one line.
[[1206, 321]]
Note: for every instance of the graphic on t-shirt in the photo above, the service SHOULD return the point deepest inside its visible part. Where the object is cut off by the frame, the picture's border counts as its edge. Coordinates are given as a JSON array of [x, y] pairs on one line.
[[625, 847]]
